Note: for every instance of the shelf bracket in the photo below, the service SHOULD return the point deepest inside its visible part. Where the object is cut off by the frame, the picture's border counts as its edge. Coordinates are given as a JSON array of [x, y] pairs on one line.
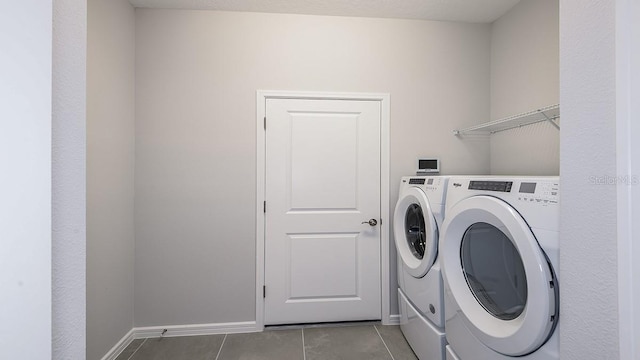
[[550, 120]]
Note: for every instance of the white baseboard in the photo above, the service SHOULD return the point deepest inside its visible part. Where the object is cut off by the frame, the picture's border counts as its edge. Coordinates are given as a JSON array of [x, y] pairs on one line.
[[180, 330], [195, 329], [119, 347], [394, 320]]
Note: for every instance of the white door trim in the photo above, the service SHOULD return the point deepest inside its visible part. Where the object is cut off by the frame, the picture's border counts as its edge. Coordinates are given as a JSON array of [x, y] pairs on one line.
[[261, 97], [627, 111]]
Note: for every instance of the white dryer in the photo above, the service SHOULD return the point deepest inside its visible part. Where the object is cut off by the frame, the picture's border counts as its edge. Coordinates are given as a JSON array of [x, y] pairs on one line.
[[418, 216], [499, 257]]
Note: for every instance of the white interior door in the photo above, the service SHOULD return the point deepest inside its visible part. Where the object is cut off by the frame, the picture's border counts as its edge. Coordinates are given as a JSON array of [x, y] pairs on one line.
[[322, 257]]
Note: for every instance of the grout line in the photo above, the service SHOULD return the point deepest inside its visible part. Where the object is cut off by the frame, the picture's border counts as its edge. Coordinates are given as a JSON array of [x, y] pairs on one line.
[[383, 342], [304, 352], [221, 345], [138, 348]]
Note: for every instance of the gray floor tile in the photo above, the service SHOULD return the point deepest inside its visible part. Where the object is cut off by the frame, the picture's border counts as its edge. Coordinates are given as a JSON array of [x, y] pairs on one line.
[[267, 345], [180, 348], [397, 344], [344, 343], [129, 350]]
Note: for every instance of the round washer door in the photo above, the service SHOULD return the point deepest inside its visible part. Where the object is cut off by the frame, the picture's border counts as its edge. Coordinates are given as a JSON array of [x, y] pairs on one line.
[[498, 276], [416, 232]]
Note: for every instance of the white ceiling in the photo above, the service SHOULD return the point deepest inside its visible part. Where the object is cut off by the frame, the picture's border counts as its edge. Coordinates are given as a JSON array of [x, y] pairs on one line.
[[478, 11]]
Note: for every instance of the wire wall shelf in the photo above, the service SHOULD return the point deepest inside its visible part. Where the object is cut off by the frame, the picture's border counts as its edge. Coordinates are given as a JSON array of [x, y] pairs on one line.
[[549, 113]]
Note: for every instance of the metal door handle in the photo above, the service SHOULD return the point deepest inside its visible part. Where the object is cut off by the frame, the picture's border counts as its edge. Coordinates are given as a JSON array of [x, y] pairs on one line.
[[372, 222]]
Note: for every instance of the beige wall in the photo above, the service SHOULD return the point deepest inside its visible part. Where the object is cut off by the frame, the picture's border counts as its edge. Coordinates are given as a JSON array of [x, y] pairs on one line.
[[110, 171], [197, 73], [525, 77]]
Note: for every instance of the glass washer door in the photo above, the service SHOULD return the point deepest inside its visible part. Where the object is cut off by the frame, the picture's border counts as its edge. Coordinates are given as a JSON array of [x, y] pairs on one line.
[[416, 232], [498, 276]]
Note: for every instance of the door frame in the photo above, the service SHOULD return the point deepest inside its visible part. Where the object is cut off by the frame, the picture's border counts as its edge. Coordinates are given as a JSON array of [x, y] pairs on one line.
[[384, 99], [627, 162]]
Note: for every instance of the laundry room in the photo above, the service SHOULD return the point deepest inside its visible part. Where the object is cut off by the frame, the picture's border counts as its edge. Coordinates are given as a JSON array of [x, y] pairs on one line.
[[193, 152], [245, 163]]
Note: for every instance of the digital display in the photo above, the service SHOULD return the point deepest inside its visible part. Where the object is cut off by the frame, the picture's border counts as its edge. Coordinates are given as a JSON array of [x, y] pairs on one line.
[[502, 186], [416, 181], [430, 182], [527, 188], [428, 164]]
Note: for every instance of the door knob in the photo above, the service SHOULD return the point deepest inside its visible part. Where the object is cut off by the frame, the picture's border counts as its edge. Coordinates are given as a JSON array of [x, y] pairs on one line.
[[372, 222]]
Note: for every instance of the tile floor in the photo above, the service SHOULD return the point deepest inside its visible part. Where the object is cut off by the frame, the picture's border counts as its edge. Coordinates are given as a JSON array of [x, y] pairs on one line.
[[337, 342]]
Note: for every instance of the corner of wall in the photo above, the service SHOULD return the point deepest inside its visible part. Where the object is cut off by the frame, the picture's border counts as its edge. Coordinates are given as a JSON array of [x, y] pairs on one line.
[[524, 77], [110, 174], [68, 179]]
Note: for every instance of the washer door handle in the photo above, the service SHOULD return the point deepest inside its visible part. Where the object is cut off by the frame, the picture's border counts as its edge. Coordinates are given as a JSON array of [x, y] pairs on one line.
[[372, 222]]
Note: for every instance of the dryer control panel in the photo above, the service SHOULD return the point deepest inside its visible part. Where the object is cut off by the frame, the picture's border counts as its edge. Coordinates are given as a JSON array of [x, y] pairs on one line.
[[536, 198], [532, 190], [502, 186], [539, 192]]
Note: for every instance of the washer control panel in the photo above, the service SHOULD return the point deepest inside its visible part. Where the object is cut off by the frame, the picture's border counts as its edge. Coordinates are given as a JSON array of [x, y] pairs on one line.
[[433, 186], [427, 183]]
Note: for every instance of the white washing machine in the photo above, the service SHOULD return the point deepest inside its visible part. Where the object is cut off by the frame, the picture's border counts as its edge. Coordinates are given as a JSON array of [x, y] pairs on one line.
[[418, 216], [499, 257]]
